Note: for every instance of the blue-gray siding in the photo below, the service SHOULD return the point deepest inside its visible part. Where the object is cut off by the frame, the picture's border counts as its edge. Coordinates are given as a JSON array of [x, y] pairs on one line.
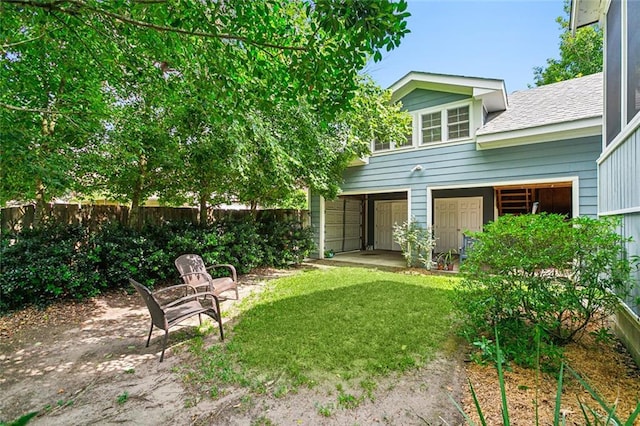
[[620, 190], [462, 164], [620, 177], [421, 98]]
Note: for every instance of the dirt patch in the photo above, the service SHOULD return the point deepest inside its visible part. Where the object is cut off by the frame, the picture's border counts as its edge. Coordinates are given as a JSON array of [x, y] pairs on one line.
[[86, 363]]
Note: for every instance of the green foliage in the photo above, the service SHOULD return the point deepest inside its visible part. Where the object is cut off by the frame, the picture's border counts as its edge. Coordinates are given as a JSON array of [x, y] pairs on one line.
[[122, 398], [209, 101], [22, 420], [542, 271], [337, 327], [580, 54], [46, 264], [56, 262], [341, 322], [416, 243]]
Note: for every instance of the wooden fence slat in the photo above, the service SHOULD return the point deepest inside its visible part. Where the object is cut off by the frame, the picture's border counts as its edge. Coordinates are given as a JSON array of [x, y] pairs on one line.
[[14, 219]]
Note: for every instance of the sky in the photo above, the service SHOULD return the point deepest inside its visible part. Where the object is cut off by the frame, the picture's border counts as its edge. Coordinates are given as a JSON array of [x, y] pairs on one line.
[[503, 39]]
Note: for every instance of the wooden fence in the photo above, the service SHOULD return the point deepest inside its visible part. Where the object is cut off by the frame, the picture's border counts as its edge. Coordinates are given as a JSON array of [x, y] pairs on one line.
[[17, 218]]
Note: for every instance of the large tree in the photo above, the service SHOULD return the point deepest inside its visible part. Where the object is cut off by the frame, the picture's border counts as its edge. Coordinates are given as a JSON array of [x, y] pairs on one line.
[[580, 53], [61, 59]]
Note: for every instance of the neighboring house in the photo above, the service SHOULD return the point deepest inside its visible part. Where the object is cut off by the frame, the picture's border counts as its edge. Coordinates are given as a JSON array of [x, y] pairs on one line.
[[474, 154], [619, 162]]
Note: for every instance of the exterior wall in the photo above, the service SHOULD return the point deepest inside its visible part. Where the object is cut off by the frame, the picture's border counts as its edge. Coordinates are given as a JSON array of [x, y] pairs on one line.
[[421, 98], [620, 177], [461, 164], [619, 192]]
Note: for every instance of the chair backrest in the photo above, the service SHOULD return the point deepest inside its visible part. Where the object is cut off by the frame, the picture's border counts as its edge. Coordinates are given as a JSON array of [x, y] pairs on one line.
[[192, 269], [157, 314]]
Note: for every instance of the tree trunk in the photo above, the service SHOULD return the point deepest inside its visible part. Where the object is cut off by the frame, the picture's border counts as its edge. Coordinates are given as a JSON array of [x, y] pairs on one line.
[[203, 210], [41, 213]]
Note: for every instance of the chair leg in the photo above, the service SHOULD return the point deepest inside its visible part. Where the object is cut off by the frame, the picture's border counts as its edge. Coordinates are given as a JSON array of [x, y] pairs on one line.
[[164, 344], [219, 317], [150, 331]]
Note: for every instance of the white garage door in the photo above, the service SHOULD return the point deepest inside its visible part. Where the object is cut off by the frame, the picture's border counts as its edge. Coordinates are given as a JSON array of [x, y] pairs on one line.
[[343, 225]]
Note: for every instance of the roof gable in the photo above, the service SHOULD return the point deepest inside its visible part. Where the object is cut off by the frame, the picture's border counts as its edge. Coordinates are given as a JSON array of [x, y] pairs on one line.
[[491, 91]]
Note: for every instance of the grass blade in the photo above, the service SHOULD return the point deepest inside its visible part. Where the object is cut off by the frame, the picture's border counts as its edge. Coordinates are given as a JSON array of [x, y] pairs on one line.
[[556, 411], [630, 421], [477, 404], [535, 402], [609, 410], [503, 393], [461, 411]]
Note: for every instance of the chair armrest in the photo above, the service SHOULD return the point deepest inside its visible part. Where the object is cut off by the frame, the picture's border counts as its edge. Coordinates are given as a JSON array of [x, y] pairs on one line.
[[234, 275], [194, 296], [172, 287]]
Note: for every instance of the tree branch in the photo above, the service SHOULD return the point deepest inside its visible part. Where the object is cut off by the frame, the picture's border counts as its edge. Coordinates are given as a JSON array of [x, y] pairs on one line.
[[55, 5], [24, 109]]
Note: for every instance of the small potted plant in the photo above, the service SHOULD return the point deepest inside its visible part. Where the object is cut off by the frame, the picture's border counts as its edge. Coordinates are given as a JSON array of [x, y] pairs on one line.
[[448, 259], [439, 260]]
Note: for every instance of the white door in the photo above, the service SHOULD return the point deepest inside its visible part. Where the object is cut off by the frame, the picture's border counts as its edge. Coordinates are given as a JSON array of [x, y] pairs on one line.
[[388, 213], [383, 221], [454, 216], [445, 227]]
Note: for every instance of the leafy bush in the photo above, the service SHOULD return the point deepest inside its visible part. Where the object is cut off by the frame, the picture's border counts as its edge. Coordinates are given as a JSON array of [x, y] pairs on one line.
[[54, 262], [416, 243], [542, 270], [49, 263]]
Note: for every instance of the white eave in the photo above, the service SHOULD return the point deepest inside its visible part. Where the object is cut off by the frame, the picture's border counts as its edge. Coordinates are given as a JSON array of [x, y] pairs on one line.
[[586, 12], [553, 132], [491, 91], [362, 161]]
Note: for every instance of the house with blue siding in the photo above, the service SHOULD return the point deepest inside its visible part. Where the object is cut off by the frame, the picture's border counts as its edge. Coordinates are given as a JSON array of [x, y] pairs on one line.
[[474, 153], [619, 161]]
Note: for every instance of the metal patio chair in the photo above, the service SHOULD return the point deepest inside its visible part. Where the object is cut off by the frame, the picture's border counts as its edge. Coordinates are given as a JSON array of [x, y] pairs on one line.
[[165, 316], [194, 273]]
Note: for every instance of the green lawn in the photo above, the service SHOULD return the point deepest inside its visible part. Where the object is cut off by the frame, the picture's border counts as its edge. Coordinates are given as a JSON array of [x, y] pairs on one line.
[[339, 322]]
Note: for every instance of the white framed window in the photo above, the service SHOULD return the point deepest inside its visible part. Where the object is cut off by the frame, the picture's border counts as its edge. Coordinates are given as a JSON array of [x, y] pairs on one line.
[[431, 127], [446, 124], [458, 123], [391, 145]]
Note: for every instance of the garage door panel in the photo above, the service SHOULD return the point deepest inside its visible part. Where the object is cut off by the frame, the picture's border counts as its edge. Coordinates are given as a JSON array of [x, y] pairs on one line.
[[343, 225]]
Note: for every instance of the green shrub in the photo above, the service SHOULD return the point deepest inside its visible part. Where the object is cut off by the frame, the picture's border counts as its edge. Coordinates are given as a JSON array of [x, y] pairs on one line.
[[542, 270], [55, 262], [45, 264], [416, 243]]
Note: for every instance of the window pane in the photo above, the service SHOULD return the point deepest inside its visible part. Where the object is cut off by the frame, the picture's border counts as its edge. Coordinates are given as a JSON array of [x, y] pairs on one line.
[[432, 127], [613, 109], [633, 53], [408, 141], [379, 146], [458, 119], [458, 131]]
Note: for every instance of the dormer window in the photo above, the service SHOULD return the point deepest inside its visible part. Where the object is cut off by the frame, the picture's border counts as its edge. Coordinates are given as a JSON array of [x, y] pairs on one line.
[[458, 122], [452, 123], [432, 127]]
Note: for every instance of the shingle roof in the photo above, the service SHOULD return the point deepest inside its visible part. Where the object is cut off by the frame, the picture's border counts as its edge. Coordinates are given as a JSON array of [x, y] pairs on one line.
[[561, 102]]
